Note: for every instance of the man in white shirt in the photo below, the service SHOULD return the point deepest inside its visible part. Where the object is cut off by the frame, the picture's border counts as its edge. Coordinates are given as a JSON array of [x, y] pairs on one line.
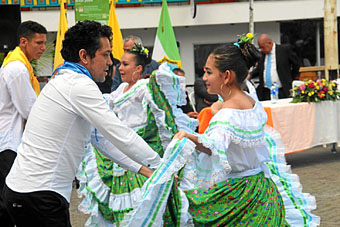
[[278, 64], [39, 185], [18, 92]]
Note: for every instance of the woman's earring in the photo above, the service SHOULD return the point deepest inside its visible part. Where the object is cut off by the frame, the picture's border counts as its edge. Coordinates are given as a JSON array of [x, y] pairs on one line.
[[133, 78], [229, 90]]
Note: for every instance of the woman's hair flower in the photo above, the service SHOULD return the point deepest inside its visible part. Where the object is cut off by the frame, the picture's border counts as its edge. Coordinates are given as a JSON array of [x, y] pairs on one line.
[[248, 38], [250, 35], [139, 48]]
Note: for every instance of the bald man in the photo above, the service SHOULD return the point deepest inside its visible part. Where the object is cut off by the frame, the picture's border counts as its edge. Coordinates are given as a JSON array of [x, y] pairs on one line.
[[278, 64]]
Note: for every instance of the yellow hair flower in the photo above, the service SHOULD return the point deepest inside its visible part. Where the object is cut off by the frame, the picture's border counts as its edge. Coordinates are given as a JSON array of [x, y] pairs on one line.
[[250, 35], [309, 94], [244, 39]]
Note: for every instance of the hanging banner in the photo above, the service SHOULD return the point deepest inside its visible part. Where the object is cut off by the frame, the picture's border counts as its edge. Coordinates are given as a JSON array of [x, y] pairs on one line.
[[97, 10]]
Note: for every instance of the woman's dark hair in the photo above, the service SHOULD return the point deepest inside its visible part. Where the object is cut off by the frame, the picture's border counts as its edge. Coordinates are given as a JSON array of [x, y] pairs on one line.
[[141, 55], [238, 59], [27, 29], [84, 35]]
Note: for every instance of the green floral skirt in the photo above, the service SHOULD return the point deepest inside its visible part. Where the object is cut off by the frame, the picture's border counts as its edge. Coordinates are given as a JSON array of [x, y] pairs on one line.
[[249, 201]]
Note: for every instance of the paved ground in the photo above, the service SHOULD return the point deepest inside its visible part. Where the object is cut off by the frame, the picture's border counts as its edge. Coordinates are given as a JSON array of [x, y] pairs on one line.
[[319, 172]]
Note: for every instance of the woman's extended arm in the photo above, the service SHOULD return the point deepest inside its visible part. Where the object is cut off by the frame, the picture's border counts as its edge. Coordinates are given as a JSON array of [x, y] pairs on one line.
[[181, 134]]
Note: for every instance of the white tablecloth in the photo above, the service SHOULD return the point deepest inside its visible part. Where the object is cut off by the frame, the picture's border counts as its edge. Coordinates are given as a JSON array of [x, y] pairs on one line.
[[304, 125]]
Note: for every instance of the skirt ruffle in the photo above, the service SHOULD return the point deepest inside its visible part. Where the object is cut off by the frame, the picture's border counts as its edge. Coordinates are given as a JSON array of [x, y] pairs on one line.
[[106, 203], [156, 191], [298, 205]]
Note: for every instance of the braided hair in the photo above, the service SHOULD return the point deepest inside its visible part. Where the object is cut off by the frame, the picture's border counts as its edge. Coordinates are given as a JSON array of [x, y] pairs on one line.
[[238, 57]]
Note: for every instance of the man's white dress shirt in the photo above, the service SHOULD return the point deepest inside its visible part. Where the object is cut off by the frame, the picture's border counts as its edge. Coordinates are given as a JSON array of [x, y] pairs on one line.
[[58, 129], [273, 69], [16, 100]]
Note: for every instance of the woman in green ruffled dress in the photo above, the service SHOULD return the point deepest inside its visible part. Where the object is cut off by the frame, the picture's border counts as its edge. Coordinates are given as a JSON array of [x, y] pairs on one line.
[[235, 173], [149, 106], [230, 183]]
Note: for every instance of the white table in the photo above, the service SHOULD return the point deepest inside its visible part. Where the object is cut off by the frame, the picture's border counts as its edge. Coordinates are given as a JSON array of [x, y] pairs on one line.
[[304, 125]]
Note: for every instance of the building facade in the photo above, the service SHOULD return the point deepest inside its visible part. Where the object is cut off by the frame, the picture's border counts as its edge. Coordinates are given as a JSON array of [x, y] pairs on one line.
[[215, 23]]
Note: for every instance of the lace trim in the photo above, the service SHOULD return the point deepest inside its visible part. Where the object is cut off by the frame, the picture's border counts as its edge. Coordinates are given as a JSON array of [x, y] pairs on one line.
[[243, 138], [218, 170]]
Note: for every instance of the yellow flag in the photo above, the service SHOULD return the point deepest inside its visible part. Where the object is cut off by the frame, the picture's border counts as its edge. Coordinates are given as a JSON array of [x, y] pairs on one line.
[[117, 41], [58, 59]]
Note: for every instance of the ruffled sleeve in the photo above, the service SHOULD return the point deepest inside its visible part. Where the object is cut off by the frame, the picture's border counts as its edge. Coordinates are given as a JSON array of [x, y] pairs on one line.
[[204, 170], [228, 133], [173, 88]]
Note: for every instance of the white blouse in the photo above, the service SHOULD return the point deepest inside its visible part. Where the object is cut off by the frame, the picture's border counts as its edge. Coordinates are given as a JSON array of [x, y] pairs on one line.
[[236, 139]]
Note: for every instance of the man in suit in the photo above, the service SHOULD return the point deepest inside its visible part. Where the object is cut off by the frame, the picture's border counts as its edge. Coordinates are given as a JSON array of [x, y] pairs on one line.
[[277, 64]]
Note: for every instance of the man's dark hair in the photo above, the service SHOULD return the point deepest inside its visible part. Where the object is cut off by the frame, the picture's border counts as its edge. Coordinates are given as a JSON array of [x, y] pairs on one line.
[[175, 70], [28, 29], [84, 35]]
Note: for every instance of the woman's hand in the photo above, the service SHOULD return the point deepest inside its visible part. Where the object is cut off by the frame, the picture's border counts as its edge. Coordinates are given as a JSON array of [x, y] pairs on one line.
[[176, 179], [180, 135], [145, 172], [192, 114]]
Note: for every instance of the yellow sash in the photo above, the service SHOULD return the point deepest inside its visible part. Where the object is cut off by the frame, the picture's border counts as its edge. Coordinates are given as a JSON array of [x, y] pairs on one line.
[[18, 55]]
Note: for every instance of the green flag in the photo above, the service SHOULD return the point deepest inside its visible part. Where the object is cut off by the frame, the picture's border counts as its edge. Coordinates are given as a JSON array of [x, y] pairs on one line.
[[165, 47]]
